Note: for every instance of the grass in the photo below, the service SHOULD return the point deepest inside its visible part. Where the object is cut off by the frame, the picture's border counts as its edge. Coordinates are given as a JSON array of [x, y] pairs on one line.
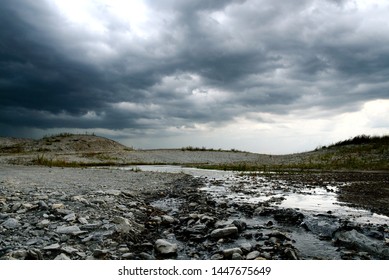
[[55, 162], [204, 149]]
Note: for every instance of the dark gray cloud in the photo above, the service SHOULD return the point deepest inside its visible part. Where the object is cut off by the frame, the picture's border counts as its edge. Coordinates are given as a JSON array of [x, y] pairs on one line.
[[188, 62]]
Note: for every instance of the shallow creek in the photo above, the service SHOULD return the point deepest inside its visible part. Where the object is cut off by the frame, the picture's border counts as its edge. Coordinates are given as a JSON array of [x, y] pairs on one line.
[[318, 204]]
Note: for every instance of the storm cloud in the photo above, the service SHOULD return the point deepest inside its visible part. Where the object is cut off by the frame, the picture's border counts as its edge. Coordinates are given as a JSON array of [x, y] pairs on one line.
[[161, 68]]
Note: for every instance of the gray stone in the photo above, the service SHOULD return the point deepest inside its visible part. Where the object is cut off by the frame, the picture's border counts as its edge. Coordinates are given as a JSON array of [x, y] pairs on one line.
[[11, 223], [146, 256], [217, 257], [241, 225], [18, 254], [54, 246], [357, 241], [231, 231], [228, 252], [236, 256], [69, 250], [164, 247], [62, 257], [128, 256], [70, 217], [252, 255], [125, 225], [43, 223], [167, 219], [246, 247], [68, 230]]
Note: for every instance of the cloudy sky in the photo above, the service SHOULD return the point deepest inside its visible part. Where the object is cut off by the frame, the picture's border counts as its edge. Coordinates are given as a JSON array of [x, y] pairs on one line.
[[256, 75]]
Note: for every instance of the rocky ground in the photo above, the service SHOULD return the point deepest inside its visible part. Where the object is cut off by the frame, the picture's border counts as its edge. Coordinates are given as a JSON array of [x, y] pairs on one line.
[[67, 213], [100, 213]]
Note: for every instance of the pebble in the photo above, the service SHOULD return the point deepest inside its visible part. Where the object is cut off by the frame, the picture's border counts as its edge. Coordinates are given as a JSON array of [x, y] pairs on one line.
[[164, 247], [252, 255], [225, 232]]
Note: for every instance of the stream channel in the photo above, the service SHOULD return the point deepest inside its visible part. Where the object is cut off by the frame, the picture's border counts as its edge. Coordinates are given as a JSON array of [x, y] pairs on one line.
[[319, 226]]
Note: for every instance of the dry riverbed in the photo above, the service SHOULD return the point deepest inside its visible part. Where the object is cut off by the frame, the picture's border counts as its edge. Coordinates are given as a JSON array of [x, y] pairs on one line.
[[97, 213]]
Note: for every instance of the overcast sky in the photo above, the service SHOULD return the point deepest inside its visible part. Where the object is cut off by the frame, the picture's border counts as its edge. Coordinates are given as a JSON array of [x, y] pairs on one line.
[[257, 75]]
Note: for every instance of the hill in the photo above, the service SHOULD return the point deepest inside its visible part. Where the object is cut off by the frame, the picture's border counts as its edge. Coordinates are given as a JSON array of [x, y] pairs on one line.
[[75, 150]]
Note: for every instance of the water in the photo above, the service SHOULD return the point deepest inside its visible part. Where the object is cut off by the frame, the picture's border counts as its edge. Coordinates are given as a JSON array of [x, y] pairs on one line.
[[234, 187], [319, 204]]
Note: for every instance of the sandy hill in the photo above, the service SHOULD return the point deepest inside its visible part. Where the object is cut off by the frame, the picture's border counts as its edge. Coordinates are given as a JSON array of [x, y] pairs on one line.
[[62, 143]]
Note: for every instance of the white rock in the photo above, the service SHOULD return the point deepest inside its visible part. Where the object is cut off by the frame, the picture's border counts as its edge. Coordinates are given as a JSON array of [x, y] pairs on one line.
[[164, 247]]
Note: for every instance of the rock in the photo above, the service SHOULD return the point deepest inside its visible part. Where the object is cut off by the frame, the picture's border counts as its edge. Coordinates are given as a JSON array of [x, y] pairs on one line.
[[236, 256], [126, 226], [43, 223], [54, 246], [288, 216], [42, 205], [69, 250], [252, 255], [246, 247], [290, 254], [355, 240], [228, 252], [62, 257], [165, 248], [113, 192], [240, 225], [167, 219], [11, 223], [322, 226], [70, 217], [57, 206], [17, 255], [74, 230], [278, 235], [146, 256], [100, 254], [128, 256], [217, 257], [230, 231], [82, 220]]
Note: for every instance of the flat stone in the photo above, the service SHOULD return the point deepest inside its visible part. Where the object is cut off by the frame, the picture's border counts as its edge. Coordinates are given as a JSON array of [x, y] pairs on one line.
[[252, 255], [224, 232], [70, 217], [69, 250], [54, 246], [68, 230], [11, 223]]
